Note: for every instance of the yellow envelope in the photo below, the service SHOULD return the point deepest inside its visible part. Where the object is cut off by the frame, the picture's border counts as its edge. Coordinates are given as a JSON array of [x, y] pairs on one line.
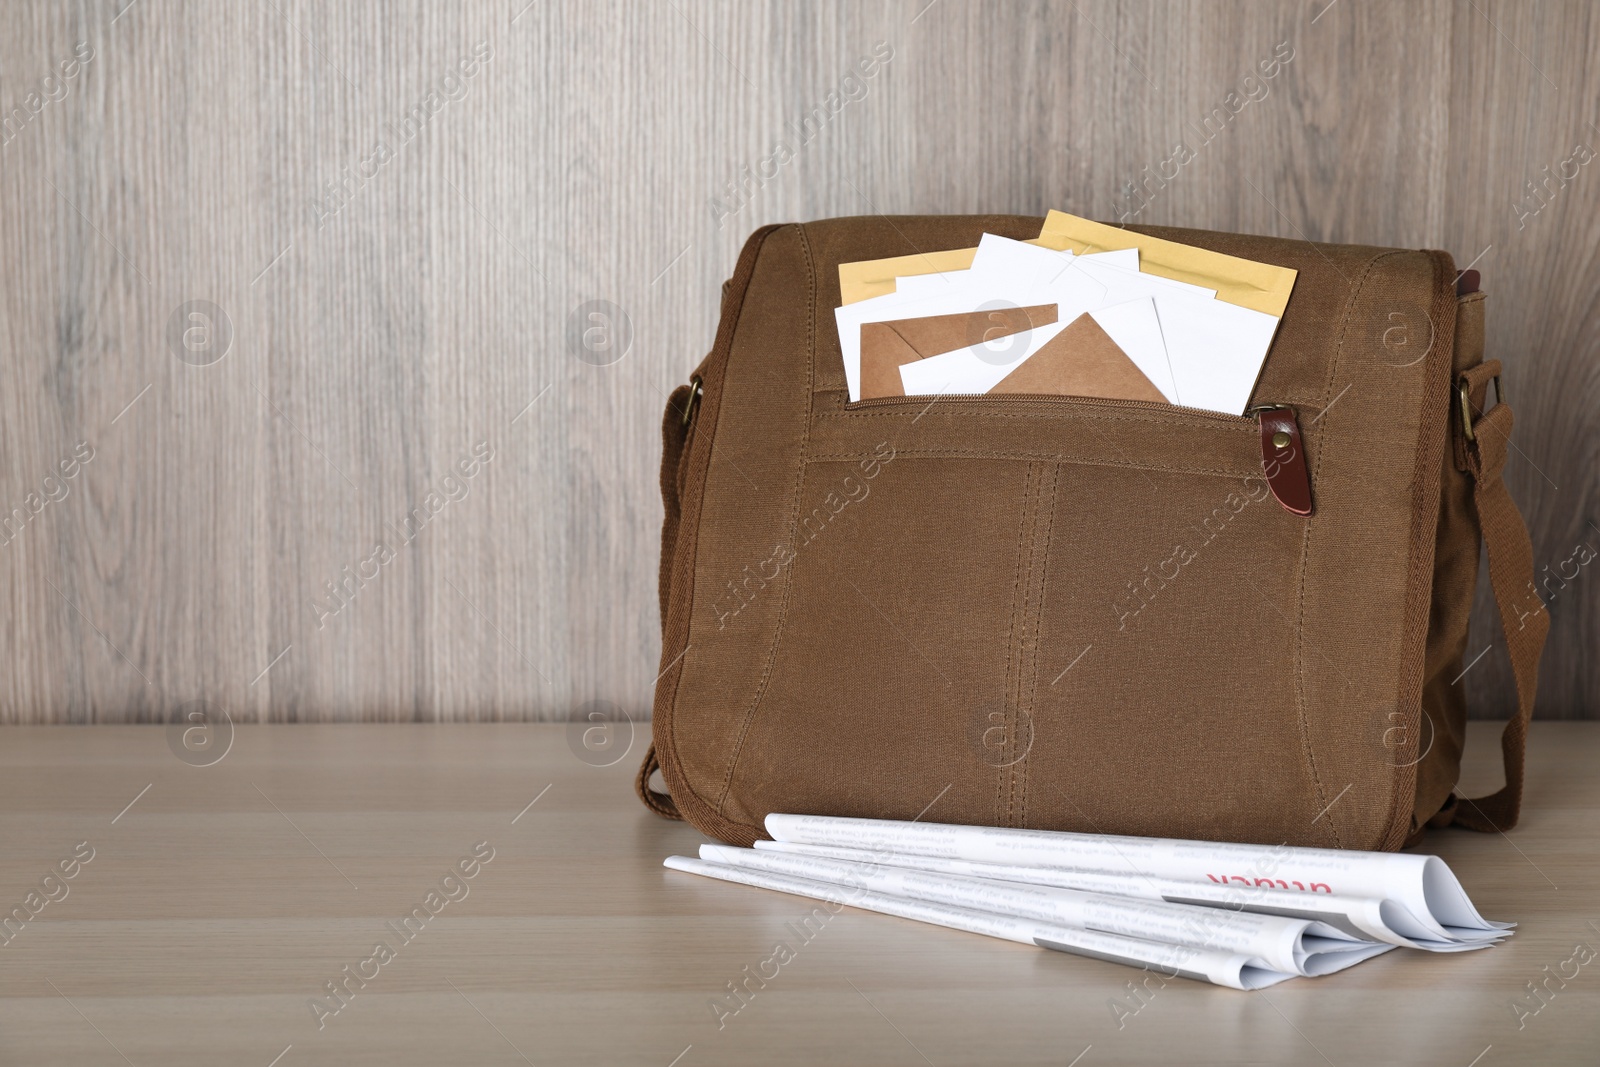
[[875, 277], [1258, 286]]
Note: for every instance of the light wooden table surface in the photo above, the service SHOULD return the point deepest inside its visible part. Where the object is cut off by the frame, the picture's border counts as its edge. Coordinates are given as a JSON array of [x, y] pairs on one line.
[[220, 899]]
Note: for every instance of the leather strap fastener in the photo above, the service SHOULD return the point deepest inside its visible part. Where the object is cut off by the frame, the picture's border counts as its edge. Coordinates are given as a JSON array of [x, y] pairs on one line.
[[1283, 459]]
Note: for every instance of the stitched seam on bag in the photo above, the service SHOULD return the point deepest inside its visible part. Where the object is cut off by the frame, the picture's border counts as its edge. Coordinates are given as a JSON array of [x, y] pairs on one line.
[[1300, 688], [1305, 565], [1301, 711], [1018, 604], [793, 525], [1015, 654], [1041, 565], [1056, 457]]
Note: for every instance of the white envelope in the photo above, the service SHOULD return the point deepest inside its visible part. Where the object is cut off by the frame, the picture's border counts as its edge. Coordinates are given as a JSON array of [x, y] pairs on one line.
[[1033, 265], [1016, 262], [1216, 348], [1136, 329]]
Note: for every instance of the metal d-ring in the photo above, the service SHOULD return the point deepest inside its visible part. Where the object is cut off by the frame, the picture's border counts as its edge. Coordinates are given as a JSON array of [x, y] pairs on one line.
[[1466, 405], [696, 387]]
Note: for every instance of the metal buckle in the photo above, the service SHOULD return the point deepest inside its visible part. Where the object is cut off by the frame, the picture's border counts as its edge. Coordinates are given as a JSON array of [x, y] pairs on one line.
[[1466, 405], [696, 384]]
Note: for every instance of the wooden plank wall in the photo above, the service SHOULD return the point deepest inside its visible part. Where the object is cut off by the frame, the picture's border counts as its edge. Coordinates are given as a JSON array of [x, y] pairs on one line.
[[401, 208]]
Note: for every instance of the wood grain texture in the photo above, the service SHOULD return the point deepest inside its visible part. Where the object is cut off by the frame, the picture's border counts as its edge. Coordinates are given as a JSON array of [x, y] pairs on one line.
[[221, 899], [392, 309]]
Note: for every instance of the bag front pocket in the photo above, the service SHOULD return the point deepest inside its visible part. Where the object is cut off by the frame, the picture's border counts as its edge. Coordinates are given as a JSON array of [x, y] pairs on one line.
[[1043, 612], [903, 591]]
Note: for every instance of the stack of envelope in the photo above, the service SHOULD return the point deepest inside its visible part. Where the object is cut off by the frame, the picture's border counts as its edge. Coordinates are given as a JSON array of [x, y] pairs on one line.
[[1083, 310]]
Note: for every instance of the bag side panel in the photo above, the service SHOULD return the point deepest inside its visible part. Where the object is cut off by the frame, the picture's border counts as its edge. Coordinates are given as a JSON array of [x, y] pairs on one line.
[[1455, 580], [737, 481]]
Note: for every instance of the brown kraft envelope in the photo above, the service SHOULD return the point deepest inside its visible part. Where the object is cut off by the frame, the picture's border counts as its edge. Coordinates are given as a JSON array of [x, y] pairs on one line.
[[1081, 360], [886, 346]]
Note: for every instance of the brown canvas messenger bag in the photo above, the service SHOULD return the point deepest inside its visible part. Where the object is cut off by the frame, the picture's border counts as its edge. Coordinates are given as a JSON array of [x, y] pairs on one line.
[[1085, 614]]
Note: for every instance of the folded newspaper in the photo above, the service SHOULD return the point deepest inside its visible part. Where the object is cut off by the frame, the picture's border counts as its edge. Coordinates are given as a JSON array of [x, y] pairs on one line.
[[1241, 916]]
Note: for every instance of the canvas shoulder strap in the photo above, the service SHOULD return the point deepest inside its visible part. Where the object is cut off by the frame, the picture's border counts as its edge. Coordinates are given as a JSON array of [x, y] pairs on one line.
[[1484, 438]]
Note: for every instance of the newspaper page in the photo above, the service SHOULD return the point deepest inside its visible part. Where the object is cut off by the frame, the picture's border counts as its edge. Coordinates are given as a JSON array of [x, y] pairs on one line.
[[1423, 886], [1298, 946], [1231, 970]]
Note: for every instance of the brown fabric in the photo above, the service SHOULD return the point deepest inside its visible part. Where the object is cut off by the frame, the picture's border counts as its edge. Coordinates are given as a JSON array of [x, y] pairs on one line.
[[1081, 360], [1083, 614], [1438, 733], [887, 346], [675, 424]]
